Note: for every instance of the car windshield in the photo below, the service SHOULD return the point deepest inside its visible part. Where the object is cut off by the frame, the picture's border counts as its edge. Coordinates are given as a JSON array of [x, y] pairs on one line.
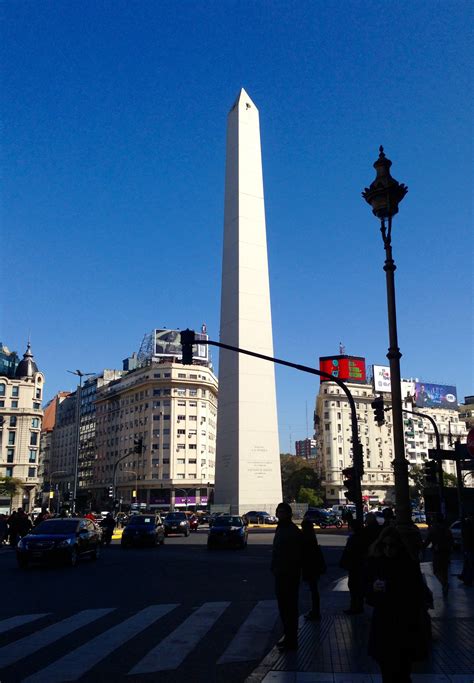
[[229, 521], [138, 519], [56, 526], [172, 516]]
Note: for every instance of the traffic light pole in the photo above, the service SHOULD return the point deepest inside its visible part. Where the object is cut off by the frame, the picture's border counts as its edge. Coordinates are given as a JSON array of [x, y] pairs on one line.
[[439, 463], [114, 480], [357, 457]]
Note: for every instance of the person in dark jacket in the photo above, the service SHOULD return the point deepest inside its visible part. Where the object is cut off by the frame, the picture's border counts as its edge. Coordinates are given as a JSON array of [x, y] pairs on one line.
[[440, 538], [400, 630], [372, 530], [313, 566], [354, 561], [467, 533], [287, 557]]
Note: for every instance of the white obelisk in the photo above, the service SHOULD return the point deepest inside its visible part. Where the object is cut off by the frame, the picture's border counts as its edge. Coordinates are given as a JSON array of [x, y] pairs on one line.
[[248, 475]]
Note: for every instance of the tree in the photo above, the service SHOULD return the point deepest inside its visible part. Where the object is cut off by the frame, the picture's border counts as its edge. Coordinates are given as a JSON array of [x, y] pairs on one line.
[[450, 480], [10, 486], [296, 473], [415, 473], [306, 495]]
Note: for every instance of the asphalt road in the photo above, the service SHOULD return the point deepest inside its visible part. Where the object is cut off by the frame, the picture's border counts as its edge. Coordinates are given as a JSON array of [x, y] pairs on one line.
[[173, 613]]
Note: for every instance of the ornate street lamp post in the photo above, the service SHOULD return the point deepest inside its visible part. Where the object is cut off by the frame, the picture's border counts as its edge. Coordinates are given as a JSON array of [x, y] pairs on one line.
[[384, 195]]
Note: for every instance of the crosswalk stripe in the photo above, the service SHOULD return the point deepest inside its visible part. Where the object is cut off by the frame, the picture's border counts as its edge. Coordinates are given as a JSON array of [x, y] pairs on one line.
[[13, 622], [76, 663], [12, 653], [174, 649], [252, 637]]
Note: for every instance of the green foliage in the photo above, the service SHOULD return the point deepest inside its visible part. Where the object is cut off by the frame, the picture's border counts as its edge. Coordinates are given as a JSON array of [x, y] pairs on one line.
[[306, 495], [10, 486], [297, 473], [415, 473], [450, 480]]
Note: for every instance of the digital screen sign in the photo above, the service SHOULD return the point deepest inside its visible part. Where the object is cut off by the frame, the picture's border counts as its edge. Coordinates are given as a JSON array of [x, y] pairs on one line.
[[381, 374], [347, 368], [167, 343], [435, 396]]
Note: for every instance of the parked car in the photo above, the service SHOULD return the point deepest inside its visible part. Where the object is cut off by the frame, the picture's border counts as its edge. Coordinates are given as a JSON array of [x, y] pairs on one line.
[[227, 531], [59, 540], [193, 521], [322, 518], [176, 523], [259, 517], [143, 530], [418, 517], [456, 533]]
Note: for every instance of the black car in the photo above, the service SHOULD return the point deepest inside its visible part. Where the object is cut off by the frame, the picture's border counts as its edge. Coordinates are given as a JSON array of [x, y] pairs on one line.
[[143, 530], [176, 523], [59, 540], [260, 517], [227, 531]]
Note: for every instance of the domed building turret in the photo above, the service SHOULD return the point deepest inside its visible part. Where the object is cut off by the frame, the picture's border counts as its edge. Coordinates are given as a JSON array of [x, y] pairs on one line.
[[27, 367]]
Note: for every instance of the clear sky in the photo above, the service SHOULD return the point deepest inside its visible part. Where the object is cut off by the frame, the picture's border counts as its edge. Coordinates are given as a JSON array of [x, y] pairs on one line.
[[114, 118]]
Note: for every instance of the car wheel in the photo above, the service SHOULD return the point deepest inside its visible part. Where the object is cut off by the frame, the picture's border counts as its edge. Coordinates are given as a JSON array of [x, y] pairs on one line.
[[23, 563], [96, 553], [72, 561], [186, 533], [338, 525]]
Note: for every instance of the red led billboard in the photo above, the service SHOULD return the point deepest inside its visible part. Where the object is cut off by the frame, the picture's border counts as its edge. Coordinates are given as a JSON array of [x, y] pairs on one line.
[[347, 368]]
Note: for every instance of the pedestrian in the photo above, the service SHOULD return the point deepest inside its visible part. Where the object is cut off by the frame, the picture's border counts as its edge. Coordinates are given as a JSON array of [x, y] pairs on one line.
[[354, 561], [467, 534], [313, 566], [3, 529], [23, 523], [440, 538], [372, 530], [43, 515], [400, 629], [388, 517], [12, 529], [108, 526], [287, 557]]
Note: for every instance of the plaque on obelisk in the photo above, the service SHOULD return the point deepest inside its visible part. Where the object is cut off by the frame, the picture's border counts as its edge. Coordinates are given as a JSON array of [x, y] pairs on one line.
[[248, 475]]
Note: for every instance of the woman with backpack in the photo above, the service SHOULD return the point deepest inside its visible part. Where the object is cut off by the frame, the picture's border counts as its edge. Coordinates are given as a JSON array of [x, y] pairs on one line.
[[313, 566]]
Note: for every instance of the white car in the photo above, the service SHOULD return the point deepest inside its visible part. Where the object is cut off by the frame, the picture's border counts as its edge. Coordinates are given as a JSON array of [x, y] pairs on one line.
[[456, 532]]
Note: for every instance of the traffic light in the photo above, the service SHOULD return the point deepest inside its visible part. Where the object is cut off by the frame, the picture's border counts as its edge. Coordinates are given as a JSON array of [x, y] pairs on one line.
[[429, 472], [350, 483], [138, 445], [187, 340], [379, 412], [110, 492]]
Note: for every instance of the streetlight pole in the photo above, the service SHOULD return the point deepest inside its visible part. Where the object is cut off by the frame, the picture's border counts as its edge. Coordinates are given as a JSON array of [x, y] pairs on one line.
[[384, 195], [79, 374], [51, 475]]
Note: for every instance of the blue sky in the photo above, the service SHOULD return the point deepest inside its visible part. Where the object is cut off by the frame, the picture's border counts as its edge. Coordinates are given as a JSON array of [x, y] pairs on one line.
[[114, 117]]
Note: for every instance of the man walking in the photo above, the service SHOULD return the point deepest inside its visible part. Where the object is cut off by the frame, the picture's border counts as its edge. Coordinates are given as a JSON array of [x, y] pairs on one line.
[[287, 558], [441, 539]]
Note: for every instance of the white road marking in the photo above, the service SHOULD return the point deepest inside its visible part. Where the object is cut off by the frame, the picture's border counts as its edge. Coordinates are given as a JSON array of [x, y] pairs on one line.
[[13, 622], [12, 653], [174, 649], [78, 662], [252, 637]]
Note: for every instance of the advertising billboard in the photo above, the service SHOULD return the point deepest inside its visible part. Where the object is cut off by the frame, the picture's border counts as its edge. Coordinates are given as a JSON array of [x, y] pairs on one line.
[[167, 343], [381, 378], [435, 396], [347, 368]]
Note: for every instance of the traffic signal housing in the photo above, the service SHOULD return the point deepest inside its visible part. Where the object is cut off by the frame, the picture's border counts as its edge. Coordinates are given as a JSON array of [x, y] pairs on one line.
[[188, 339], [379, 410], [138, 445], [430, 472], [350, 483], [110, 492]]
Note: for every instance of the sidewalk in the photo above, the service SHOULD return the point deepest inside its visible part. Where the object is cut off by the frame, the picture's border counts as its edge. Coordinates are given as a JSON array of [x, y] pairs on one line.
[[335, 649]]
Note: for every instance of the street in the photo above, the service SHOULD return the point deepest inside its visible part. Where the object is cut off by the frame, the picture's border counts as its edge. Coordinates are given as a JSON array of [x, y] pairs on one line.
[[180, 613], [96, 619]]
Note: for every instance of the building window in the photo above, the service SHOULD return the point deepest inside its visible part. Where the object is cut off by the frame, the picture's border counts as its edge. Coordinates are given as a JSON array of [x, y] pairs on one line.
[[2, 404], [32, 471], [166, 392], [181, 431], [156, 404], [332, 492], [35, 423], [9, 471], [181, 403], [180, 447], [15, 392], [166, 417], [192, 461], [33, 438], [38, 393], [12, 420], [36, 406], [166, 461], [180, 461], [181, 375], [191, 476], [32, 457], [327, 427], [14, 404], [11, 438], [180, 476], [2, 390], [156, 392], [192, 446], [10, 454], [193, 418]]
